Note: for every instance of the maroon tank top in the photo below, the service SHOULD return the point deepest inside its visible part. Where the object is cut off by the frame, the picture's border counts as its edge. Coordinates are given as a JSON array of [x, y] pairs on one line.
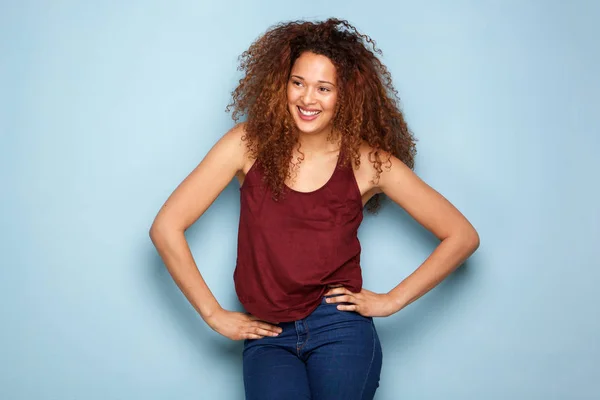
[[290, 250]]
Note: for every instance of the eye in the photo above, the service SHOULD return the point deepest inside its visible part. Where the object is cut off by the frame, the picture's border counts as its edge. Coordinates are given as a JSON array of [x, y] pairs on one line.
[[296, 83], [324, 89]]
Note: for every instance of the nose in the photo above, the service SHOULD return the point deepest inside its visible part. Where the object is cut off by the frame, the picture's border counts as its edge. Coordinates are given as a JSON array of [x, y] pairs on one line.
[[308, 96]]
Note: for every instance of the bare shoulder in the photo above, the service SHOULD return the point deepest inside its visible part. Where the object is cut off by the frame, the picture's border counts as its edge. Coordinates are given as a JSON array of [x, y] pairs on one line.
[[367, 154], [233, 140], [402, 185], [367, 175], [201, 187], [237, 148], [236, 136]]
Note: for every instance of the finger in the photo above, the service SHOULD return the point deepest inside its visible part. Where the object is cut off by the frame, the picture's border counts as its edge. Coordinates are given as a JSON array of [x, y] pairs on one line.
[[338, 290], [331, 287], [252, 336], [341, 299], [263, 332], [347, 307], [268, 327]]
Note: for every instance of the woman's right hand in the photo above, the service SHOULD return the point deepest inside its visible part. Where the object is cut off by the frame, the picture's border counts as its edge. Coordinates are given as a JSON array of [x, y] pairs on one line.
[[239, 326]]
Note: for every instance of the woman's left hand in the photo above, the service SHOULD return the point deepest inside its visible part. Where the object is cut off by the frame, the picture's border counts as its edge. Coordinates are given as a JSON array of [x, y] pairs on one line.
[[366, 303]]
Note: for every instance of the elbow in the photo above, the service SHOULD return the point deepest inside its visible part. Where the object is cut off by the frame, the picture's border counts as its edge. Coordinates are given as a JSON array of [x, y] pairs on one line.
[[154, 233], [471, 240], [475, 241], [466, 239], [163, 230], [157, 231]]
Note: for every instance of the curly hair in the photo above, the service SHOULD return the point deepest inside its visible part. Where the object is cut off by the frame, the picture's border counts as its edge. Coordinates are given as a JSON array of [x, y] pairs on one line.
[[367, 107]]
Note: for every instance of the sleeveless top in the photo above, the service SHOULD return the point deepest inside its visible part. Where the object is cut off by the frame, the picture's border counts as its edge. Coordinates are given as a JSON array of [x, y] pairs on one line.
[[290, 250]]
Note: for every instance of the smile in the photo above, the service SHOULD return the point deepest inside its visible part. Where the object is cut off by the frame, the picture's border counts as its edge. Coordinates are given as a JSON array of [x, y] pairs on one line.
[[307, 115]]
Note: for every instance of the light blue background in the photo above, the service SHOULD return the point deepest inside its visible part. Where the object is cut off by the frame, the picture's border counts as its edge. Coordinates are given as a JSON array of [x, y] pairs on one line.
[[106, 106]]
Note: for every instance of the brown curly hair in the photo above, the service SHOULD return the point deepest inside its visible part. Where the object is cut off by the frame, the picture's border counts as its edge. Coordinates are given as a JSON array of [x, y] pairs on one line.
[[367, 107]]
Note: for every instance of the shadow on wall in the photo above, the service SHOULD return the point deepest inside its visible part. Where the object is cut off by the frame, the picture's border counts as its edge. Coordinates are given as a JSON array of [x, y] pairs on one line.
[[200, 338], [205, 341], [412, 323]]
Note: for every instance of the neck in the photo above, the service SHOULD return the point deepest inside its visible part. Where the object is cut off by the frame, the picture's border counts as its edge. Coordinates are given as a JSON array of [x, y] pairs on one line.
[[317, 143]]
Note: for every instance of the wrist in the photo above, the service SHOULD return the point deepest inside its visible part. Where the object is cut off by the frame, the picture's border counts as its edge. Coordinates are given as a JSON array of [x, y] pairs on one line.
[[397, 299], [209, 315]]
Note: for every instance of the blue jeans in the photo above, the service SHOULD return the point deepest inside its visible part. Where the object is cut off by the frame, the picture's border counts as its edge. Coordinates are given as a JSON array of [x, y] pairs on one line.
[[329, 355]]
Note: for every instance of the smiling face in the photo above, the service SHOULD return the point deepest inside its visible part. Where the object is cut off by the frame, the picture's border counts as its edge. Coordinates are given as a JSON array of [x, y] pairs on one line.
[[312, 93]]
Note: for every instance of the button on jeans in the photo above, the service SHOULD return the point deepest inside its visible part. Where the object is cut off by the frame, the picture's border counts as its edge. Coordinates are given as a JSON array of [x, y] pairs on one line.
[[329, 355]]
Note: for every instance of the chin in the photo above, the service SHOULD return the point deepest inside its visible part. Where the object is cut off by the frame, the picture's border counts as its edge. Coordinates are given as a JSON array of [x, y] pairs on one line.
[[312, 131], [310, 128]]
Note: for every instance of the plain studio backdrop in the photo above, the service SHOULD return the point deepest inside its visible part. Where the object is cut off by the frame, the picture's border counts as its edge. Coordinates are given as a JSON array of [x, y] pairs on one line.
[[106, 106]]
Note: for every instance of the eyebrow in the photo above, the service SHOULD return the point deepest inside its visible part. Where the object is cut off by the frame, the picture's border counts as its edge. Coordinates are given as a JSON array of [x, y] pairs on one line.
[[299, 77]]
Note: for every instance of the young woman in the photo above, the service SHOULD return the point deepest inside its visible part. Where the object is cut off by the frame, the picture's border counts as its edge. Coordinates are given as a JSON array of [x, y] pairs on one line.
[[324, 137]]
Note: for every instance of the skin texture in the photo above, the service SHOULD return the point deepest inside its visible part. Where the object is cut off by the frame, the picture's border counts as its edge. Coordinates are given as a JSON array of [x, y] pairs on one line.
[[311, 87], [312, 160]]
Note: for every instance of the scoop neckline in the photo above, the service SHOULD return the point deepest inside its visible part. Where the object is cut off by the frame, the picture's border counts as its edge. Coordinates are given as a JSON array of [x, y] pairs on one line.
[[337, 164]]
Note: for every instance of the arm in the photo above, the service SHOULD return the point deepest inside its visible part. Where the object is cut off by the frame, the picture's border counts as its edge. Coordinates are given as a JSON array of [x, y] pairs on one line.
[[185, 205], [458, 241], [458, 237]]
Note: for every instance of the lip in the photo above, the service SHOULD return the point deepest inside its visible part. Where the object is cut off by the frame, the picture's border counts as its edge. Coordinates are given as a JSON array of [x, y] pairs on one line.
[[306, 117]]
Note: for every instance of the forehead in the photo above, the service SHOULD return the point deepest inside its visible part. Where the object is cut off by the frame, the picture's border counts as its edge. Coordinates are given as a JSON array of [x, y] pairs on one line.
[[313, 66]]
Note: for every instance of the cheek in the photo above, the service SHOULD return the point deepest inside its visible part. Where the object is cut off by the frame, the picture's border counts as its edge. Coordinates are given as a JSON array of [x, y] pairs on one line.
[[331, 103], [292, 95]]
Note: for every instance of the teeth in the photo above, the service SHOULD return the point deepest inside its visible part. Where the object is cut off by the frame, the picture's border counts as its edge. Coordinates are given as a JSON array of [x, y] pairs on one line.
[[308, 113]]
